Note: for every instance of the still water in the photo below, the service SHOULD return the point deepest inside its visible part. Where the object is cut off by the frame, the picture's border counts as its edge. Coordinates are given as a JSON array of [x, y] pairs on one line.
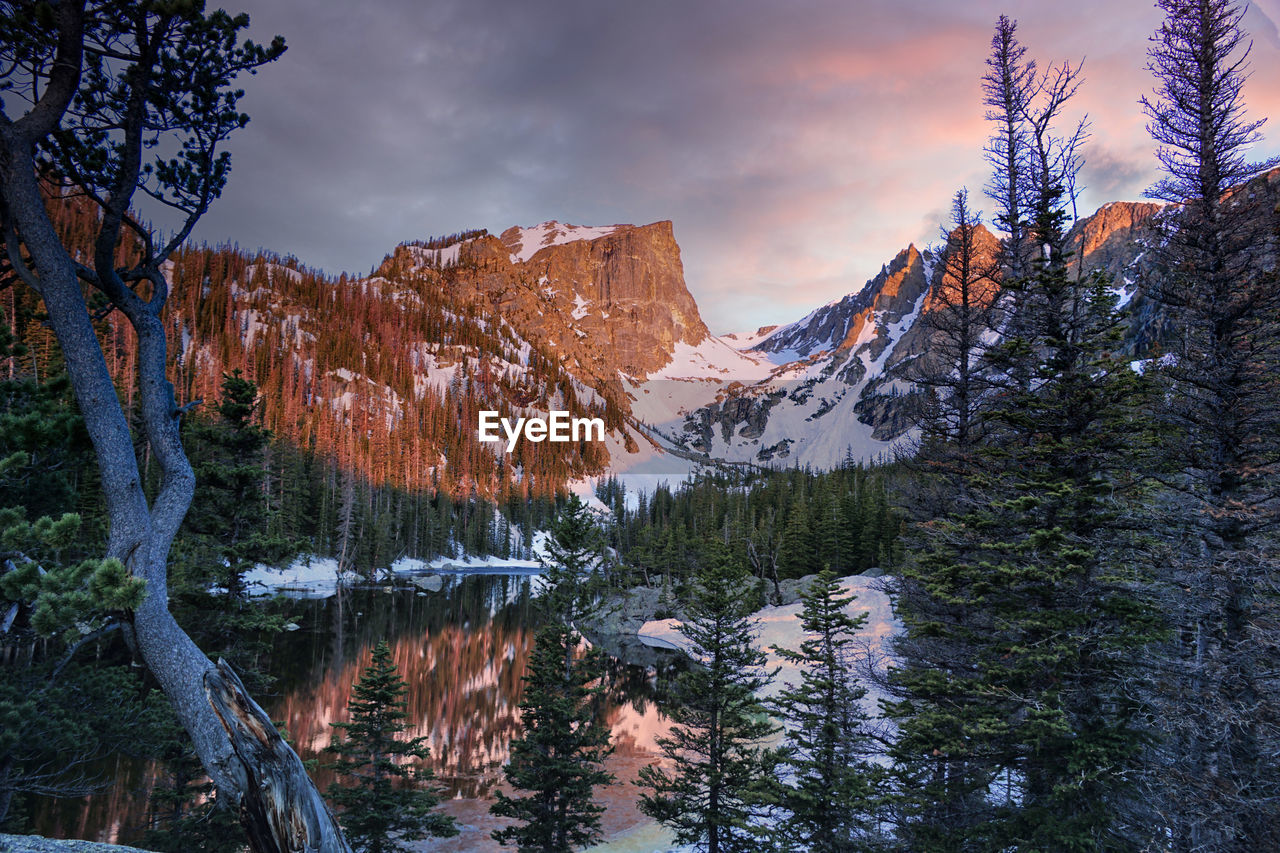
[[461, 642]]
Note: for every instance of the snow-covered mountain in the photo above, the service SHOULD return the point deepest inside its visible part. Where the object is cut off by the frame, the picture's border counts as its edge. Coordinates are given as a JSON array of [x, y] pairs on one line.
[[388, 372], [822, 389], [792, 395]]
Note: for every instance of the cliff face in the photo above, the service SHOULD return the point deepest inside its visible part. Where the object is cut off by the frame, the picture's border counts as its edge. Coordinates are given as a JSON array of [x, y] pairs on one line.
[[1114, 237], [610, 299], [624, 290]]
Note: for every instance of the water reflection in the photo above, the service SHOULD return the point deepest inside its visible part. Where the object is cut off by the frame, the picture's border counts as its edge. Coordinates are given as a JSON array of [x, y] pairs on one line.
[[462, 650]]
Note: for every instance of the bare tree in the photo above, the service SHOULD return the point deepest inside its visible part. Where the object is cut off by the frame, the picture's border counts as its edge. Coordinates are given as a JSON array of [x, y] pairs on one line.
[[1213, 784], [98, 85]]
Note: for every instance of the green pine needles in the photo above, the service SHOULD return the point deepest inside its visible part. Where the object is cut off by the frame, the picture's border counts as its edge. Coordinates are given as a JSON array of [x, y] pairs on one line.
[[382, 800], [716, 786], [559, 759], [829, 788]]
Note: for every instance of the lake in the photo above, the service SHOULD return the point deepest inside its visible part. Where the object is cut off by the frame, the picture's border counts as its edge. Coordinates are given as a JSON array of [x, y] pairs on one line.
[[461, 642]]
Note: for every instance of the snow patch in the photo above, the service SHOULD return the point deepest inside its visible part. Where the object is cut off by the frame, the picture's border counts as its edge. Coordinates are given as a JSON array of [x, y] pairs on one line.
[[529, 241], [780, 626]]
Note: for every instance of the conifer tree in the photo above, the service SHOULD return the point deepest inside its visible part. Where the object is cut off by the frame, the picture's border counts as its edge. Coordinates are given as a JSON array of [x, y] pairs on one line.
[[559, 757], [1008, 87], [1212, 783], [228, 521], [828, 797], [797, 551], [572, 562], [382, 798], [719, 768], [962, 313], [1024, 603]]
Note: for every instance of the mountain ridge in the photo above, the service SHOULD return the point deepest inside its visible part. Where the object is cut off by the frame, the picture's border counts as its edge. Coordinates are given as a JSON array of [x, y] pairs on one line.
[[386, 373]]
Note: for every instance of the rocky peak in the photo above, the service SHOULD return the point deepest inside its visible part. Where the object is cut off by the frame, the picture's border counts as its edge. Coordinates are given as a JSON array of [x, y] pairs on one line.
[[840, 325], [624, 291], [1106, 240], [608, 298]]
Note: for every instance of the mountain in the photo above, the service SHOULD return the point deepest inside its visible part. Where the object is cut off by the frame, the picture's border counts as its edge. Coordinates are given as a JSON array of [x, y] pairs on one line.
[[831, 395], [386, 374], [596, 320]]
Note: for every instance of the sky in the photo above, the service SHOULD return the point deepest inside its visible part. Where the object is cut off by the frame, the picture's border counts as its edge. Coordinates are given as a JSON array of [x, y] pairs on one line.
[[797, 145]]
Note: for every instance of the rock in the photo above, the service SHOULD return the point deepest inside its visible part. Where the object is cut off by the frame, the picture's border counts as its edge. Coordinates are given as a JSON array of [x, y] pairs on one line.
[[1108, 240], [430, 583]]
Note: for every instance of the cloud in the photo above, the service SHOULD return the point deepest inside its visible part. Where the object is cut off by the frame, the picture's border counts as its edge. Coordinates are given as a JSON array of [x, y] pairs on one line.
[[795, 146]]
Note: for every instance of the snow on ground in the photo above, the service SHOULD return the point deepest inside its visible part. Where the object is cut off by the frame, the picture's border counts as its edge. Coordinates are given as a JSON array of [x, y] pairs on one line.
[[780, 626], [272, 271], [554, 234], [648, 467], [306, 577], [746, 340], [442, 257], [692, 379], [714, 358], [317, 577], [412, 565]]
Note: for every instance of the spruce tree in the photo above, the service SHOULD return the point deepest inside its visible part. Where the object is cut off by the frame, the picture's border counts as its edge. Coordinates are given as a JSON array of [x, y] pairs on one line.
[[1008, 87], [963, 313], [1025, 602], [719, 768], [828, 797], [797, 548], [559, 757], [1213, 784], [381, 798], [227, 525], [572, 562]]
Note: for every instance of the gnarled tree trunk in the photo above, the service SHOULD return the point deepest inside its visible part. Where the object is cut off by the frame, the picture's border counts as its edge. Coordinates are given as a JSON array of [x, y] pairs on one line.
[[251, 765]]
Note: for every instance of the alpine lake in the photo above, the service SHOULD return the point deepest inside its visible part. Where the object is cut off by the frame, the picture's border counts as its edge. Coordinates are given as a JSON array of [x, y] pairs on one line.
[[461, 641]]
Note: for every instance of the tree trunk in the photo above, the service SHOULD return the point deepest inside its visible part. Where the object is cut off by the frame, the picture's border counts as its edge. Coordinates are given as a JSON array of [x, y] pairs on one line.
[[282, 809], [140, 535]]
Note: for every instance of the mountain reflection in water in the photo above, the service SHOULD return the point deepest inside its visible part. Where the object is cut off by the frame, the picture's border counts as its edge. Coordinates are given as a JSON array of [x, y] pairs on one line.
[[462, 651]]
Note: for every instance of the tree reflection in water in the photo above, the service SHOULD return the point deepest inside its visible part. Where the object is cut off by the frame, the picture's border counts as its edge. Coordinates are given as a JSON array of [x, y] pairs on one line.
[[462, 650]]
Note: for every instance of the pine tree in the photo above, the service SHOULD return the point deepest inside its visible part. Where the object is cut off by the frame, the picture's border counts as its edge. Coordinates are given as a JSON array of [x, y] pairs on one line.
[[719, 768], [797, 551], [572, 562], [382, 799], [1213, 785], [961, 314], [1024, 603], [828, 798], [560, 754], [227, 525], [1008, 87]]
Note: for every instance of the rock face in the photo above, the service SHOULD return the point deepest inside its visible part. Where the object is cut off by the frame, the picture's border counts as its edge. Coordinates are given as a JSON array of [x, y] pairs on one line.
[[1110, 239], [611, 299], [629, 293], [843, 325]]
